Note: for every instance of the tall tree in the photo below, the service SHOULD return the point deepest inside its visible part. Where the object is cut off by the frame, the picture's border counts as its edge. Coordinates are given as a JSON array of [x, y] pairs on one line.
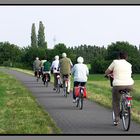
[[41, 36], [33, 36]]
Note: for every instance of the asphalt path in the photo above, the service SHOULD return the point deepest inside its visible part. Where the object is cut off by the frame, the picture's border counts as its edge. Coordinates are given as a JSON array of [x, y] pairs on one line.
[[93, 119]]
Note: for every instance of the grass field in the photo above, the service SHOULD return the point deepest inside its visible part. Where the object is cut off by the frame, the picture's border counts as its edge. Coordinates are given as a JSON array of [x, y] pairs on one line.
[[19, 111]]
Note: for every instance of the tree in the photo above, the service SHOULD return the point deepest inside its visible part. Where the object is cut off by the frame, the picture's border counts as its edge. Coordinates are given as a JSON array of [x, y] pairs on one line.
[[41, 36], [9, 54], [133, 53], [33, 36], [30, 53]]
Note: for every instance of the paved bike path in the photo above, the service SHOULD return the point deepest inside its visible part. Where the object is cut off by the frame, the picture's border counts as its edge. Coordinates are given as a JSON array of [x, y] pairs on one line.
[[93, 119]]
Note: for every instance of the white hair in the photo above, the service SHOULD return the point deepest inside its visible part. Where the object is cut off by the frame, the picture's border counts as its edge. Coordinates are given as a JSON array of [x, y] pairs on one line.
[[64, 54], [56, 57], [37, 58], [80, 59]]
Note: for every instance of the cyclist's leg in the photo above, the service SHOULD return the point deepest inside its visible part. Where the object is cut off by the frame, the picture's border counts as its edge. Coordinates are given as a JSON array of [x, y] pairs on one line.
[[116, 102]]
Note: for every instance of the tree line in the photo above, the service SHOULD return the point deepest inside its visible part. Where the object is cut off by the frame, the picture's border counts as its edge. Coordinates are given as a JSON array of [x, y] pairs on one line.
[[97, 57]]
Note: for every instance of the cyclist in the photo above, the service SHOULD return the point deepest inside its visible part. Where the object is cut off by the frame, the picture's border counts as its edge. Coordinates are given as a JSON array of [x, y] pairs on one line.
[[80, 72], [46, 70], [36, 66], [121, 70], [54, 68], [65, 69], [42, 62]]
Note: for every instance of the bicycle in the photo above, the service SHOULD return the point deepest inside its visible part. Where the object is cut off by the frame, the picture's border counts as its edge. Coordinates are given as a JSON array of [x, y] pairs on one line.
[[58, 83], [125, 107], [80, 93], [65, 84], [38, 74], [46, 79]]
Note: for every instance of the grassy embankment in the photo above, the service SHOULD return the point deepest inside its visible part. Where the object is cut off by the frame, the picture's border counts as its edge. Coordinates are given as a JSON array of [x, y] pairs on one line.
[[19, 111]]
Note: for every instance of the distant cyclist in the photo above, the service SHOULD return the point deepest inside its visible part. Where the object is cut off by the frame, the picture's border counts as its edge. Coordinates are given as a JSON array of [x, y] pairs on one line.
[[46, 70], [121, 70], [55, 69], [42, 62], [65, 68], [37, 66], [80, 72]]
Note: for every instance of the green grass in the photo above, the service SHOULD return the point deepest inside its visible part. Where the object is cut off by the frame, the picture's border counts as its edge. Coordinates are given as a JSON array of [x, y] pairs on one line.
[[19, 111]]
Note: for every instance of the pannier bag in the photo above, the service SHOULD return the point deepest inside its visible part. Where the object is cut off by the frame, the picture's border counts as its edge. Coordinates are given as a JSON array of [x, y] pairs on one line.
[[77, 91]]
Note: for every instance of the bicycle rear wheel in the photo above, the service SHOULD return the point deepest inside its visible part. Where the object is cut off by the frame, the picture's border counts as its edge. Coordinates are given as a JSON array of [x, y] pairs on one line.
[[81, 101], [126, 118], [58, 88], [47, 83], [77, 101], [65, 89], [113, 117]]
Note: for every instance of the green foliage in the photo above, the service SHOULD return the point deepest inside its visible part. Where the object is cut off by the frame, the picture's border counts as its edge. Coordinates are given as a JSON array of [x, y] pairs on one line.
[[33, 36], [41, 36], [9, 53], [99, 65], [31, 53], [133, 54]]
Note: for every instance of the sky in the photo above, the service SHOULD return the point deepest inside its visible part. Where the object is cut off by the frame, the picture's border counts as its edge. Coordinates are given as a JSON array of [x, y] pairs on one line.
[[71, 25]]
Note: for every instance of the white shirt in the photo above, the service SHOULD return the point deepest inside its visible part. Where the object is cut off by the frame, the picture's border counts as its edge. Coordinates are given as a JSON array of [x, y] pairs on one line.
[[80, 72], [55, 65], [122, 71]]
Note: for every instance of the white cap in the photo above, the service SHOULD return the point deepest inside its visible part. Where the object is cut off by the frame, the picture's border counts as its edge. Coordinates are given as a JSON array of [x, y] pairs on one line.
[[64, 54], [80, 59], [56, 57]]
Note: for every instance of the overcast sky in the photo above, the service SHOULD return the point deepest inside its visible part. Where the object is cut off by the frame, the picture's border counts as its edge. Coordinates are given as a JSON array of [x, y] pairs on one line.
[[71, 25]]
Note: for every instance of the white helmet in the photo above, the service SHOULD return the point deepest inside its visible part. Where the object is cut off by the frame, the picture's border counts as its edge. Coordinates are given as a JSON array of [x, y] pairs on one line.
[[80, 59], [64, 54], [56, 57]]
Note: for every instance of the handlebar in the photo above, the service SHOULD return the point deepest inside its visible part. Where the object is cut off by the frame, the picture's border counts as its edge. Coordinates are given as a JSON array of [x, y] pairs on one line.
[[110, 77]]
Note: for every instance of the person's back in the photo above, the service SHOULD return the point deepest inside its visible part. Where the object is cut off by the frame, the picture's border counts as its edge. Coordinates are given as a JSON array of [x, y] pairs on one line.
[[47, 66], [80, 72], [37, 64], [65, 66], [55, 64], [122, 71]]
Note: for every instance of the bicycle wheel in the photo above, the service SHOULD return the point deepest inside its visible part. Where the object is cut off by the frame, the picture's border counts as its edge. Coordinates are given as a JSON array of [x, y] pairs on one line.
[[58, 88], [81, 101], [77, 101], [126, 117], [47, 83], [65, 89], [113, 117], [37, 78]]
